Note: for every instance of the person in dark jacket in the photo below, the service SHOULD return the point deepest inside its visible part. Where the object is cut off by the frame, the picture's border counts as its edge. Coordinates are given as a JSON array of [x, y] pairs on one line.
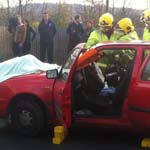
[[89, 28], [47, 32], [28, 39], [75, 31], [12, 23]]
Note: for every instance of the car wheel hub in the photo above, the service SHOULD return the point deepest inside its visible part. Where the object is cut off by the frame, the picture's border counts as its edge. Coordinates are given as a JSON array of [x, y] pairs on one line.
[[25, 118]]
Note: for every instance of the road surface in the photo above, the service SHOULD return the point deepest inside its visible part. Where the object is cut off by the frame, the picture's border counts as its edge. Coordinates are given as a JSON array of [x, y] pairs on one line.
[[78, 139]]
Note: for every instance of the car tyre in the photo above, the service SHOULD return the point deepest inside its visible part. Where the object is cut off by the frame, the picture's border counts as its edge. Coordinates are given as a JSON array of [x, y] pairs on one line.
[[27, 118]]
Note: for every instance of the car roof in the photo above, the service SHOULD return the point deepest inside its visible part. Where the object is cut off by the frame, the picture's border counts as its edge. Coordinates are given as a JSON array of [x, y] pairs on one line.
[[134, 42]]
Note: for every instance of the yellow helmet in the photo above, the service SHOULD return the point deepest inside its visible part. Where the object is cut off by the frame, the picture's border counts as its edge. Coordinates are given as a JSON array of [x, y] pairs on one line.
[[146, 16], [106, 20], [125, 25]]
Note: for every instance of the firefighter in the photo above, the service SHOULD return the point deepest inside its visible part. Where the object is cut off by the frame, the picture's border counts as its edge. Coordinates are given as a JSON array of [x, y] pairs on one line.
[[146, 19], [104, 32], [126, 30]]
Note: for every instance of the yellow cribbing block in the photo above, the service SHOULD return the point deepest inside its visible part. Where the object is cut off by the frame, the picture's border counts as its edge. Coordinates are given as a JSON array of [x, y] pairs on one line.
[[145, 144], [59, 134], [57, 141]]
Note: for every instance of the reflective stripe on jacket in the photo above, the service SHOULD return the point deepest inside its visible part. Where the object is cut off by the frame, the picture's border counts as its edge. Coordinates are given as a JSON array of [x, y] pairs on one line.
[[129, 37], [146, 34], [98, 36]]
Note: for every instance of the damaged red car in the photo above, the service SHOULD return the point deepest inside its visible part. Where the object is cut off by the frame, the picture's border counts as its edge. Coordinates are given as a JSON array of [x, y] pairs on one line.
[[107, 85]]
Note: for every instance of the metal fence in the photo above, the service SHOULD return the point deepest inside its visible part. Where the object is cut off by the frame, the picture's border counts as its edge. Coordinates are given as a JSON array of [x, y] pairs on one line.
[[5, 44], [60, 45]]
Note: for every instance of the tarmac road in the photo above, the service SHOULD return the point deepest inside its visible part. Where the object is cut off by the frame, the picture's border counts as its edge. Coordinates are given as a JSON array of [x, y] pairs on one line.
[[78, 139]]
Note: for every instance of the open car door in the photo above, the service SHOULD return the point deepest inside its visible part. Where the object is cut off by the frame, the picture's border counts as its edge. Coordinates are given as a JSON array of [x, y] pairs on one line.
[[62, 87], [62, 101], [88, 57]]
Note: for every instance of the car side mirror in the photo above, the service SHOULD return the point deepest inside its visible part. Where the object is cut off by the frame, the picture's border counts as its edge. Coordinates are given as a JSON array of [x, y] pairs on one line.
[[50, 74]]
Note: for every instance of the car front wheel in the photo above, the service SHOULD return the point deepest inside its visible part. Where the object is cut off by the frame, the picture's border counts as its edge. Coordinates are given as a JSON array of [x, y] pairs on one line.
[[27, 118]]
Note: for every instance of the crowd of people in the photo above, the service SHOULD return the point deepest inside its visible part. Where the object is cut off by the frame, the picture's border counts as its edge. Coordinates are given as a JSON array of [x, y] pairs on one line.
[[23, 34], [105, 31]]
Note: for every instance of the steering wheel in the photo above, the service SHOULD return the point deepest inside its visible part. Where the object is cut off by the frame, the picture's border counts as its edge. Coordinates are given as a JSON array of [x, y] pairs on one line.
[[114, 74]]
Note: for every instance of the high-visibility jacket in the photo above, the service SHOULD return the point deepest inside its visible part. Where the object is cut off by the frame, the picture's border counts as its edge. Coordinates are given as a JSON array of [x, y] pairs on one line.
[[98, 36], [129, 37], [146, 34]]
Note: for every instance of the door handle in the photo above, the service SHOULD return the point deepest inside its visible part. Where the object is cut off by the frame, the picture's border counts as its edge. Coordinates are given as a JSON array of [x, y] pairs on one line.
[[60, 92]]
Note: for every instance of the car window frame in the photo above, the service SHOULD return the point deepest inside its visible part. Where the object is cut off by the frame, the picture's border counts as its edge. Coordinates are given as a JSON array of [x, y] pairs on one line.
[[61, 75]]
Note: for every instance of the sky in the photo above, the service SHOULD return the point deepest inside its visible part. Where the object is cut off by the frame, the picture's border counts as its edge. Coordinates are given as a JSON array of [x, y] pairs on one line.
[[137, 4]]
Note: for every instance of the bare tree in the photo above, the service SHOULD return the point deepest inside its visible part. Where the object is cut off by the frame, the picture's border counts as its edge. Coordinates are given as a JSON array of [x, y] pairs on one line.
[[45, 6], [61, 14], [20, 7], [27, 7], [107, 5], [113, 7], [126, 4], [8, 8], [3, 16], [93, 10]]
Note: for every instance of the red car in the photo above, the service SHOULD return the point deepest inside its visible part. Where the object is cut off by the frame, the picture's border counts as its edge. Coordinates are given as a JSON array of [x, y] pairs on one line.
[[107, 85]]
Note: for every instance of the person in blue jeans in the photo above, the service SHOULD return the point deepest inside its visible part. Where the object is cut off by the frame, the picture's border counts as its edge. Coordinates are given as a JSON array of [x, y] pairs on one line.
[[19, 38], [30, 36]]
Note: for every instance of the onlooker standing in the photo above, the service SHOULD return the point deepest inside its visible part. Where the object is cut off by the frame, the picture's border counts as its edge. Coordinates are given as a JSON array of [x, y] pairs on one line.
[[89, 28], [12, 23], [47, 32], [27, 42], [75, 31], [20, 36]]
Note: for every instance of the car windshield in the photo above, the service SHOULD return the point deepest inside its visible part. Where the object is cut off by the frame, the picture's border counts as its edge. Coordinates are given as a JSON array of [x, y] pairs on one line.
[[72, 58], [69, 63]]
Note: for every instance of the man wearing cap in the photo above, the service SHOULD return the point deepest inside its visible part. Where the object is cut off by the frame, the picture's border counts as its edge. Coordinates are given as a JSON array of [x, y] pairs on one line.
[[47, 32]]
